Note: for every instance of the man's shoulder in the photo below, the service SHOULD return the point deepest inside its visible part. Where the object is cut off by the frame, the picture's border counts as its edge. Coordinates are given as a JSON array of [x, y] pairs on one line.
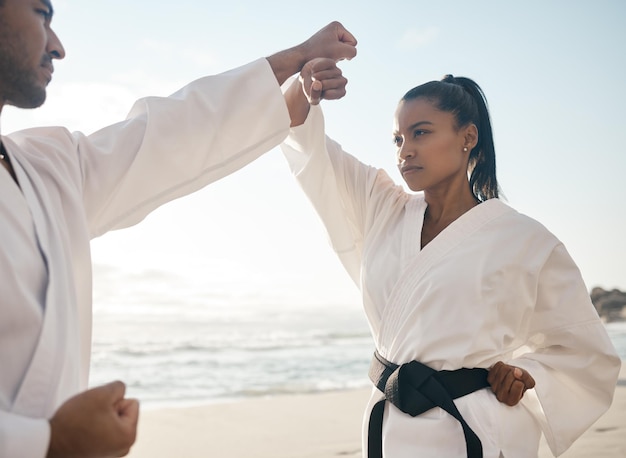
[[46, 138], [45, 151]]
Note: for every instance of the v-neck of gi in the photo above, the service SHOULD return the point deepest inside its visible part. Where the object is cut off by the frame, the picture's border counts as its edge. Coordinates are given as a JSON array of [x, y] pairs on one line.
[[28, 193], [416, 210], [7, 165], [417, 262]]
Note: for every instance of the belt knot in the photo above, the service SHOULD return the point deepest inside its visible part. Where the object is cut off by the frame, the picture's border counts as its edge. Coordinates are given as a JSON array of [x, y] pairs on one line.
[[415, 388]]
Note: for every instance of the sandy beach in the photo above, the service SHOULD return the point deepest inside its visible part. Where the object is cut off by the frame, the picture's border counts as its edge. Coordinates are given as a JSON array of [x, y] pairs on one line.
[[282, 426]]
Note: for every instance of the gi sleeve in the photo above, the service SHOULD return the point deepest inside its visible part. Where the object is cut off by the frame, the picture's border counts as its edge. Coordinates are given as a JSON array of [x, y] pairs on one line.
[[572, 359], [171, 146], [23, 437], [336, 183]]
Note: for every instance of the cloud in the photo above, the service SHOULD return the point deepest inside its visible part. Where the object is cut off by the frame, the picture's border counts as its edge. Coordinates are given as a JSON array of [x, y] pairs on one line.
[[83, 106], [418, 38], [87, 106]]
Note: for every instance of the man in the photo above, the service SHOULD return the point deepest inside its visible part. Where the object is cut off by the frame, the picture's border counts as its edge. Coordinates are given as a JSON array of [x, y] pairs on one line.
[[60, 189]]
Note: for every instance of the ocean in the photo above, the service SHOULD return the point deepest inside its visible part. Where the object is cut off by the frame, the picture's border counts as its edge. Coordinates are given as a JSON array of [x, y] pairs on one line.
[[230, 347], [186, 357]]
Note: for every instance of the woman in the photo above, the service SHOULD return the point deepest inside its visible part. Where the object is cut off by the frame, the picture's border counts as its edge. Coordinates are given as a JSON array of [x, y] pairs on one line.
[[453, 278]]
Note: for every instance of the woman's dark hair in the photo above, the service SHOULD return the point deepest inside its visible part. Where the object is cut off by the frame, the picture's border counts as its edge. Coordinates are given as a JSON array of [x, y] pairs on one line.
[[466, 101]]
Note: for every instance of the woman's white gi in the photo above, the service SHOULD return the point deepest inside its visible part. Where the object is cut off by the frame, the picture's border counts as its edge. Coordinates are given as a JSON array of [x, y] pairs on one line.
[[494, 285]]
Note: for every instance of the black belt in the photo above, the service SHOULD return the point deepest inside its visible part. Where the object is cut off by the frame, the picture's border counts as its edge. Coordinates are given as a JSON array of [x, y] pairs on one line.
[[415, 388]]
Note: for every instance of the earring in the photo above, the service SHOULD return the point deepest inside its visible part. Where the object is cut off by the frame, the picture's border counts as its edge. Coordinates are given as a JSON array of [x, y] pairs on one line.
[[465, 149]]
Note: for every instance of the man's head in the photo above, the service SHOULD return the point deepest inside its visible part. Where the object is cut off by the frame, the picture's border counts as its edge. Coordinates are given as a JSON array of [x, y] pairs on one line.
[[27, 47]]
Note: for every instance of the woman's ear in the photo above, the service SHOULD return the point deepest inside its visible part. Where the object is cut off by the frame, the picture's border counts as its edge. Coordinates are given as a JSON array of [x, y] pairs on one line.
[[470, 136]]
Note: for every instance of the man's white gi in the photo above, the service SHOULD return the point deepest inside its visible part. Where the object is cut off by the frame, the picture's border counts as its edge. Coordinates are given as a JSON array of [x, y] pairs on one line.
[[74, 187]]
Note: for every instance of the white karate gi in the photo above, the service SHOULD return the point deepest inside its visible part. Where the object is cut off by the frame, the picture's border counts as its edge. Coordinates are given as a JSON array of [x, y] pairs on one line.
[[494, 285], [75, 187]]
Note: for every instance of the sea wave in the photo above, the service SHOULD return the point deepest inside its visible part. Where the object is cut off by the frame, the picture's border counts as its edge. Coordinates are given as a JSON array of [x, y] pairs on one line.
[[190, 359]]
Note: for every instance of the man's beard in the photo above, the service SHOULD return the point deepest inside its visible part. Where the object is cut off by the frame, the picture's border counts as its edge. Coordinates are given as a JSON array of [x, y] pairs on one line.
[[18, 84]]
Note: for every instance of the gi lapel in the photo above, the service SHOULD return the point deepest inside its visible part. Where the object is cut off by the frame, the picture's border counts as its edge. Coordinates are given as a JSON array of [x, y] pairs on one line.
[[401, 300], [38, 393]]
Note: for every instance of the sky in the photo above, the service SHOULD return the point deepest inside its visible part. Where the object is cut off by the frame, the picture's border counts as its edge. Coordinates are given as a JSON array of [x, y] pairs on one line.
[[552, 71]]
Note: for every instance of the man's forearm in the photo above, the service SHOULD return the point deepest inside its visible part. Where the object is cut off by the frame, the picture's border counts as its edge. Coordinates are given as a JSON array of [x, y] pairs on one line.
[[287, 63]]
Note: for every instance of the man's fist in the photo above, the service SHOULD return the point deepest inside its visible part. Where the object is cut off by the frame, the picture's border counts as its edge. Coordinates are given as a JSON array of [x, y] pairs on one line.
[[96, 423]]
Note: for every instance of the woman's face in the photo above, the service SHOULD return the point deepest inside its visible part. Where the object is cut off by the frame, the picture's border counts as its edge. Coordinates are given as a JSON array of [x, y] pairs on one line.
[[430, 154]]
